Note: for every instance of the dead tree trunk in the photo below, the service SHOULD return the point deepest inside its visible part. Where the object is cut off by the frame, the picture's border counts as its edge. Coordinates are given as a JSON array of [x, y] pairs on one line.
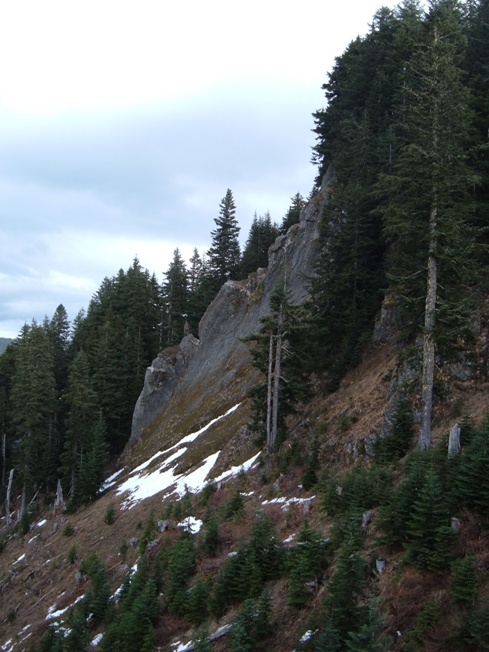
[[59, 503], [454, 441], [424, 439], [276, 379], [269, 393], [7, 499]]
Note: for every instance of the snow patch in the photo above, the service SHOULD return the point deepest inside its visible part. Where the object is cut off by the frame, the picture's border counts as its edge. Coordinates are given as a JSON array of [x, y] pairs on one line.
[[110, 480], [142, 485], [191, 524], [41, 523], [96, 640], [286, 503], [182, 647], [234, 470], [19, 559], [305, 637], [164, 479], [52, 613]]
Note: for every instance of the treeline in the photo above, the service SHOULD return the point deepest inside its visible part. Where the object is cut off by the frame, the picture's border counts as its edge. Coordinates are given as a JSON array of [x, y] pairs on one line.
[[404, 138], [405, 133], [67, 391]]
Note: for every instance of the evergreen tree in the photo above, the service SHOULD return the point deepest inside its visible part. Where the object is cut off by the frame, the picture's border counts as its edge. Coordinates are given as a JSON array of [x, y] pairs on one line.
[[181, 568], [427, 216], [81, 400], [175, 294], [280, 352], [7, 371], [34, 407], [397, 443], [255, 254], [224, 253], [293, 212], [472, 481], [465, 582], [428, 526], [344, 608], [199, 295], [308, 563]]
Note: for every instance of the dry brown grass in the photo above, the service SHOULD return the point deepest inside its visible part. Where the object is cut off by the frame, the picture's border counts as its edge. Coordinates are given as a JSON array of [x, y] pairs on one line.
[[45, 577]]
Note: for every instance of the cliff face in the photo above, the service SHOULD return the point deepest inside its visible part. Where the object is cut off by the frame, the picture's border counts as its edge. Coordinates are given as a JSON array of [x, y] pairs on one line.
[[201, 378]]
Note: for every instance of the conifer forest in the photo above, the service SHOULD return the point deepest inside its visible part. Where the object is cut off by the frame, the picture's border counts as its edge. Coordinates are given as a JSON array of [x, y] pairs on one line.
[[401, 149]]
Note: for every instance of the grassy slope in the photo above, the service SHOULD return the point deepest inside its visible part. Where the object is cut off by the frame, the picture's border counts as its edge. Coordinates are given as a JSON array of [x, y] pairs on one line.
[[344, 420]]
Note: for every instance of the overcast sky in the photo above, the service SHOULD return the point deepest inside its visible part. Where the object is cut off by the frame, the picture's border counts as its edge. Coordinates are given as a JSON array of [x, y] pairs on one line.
[[122, 124]]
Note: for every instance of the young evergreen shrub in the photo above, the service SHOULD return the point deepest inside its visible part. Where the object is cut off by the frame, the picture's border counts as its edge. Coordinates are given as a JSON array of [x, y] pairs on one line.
[[366, 638], [123, 548], [79, 633], [464, 585], [360, 489], [393, 447], [109, 517], [344, 606], [252, 626], [431, 536], [72, 555], [149, 532], [68, 530], [202, 641], [472, 483], [210, 536], [234, 508], [181, 568], [197, 603], [395, 511], [309, 477], [426, 618], [97, 600], [224, 590], [24, 525], [474, 633], [206, 493], [307, 564]]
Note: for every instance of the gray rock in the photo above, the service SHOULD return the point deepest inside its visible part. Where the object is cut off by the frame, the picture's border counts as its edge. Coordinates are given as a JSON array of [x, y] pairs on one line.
[[159, 383], [183, 373], [380, 565]]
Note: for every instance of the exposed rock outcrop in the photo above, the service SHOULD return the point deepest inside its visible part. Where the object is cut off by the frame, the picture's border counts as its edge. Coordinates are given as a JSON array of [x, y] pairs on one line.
[[203, 377], [159, 382]]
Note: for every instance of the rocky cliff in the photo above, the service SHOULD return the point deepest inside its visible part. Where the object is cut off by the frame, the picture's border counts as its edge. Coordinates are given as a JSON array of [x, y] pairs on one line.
[[194, 382]]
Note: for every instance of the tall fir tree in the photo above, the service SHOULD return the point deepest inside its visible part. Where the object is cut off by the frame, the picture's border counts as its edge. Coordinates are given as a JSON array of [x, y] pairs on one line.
[[428, 211], [263, 233], [175, 296], [280, 352], [293, 213], [82, 405], [224, 254], [34, 407]]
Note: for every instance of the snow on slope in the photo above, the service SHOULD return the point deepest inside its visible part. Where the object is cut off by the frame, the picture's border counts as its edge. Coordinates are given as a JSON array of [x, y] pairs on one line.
[[142, 484]]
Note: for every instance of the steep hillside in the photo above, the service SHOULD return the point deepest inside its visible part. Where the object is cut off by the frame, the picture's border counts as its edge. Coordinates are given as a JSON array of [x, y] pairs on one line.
[[191, 384], [191, 465], [41, 577]]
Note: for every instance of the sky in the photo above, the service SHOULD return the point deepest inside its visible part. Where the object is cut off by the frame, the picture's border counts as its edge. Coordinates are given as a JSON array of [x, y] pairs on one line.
[[123, 123]]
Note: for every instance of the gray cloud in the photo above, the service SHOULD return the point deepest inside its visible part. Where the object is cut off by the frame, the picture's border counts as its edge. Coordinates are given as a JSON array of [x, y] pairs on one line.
[[81, 194]]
